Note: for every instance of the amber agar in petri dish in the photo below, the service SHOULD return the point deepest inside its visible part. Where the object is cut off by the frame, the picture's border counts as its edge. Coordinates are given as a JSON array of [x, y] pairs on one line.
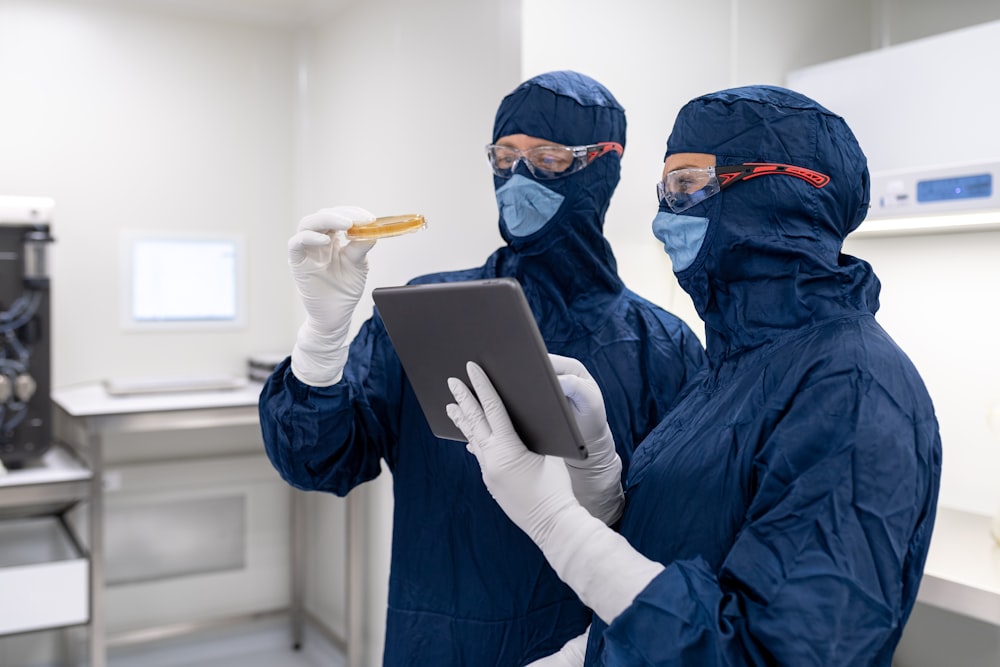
[[384, 227]]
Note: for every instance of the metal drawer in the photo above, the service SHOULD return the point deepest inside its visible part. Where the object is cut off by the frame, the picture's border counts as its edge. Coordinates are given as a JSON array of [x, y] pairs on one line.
[[43, 576]]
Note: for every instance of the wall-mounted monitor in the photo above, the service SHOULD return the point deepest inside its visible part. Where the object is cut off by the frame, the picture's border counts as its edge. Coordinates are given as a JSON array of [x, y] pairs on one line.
[[182, 281]]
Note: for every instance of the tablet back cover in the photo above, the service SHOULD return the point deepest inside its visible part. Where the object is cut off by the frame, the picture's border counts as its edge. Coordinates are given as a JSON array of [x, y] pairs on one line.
[[437, 328]]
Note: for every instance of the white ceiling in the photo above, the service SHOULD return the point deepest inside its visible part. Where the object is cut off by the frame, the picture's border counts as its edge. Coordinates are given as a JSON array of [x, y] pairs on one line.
[[281, 12]]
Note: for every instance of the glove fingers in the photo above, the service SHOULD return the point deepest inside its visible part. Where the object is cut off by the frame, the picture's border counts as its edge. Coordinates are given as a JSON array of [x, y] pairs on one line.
[[587, 404], [338, 218], [458, 418], [572, 386], [467, 414], [356, 251], [492, 405], [303, 242], [324, 221], [568, 366], [355, 213], [311, 239]]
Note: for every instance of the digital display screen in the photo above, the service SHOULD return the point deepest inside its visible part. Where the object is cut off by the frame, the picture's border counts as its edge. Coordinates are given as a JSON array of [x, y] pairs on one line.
[[184, 280], [955, 187]]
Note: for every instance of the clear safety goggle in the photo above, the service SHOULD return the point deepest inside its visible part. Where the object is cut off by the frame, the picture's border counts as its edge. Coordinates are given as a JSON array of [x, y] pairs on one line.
[[548, 162], [683, 188]]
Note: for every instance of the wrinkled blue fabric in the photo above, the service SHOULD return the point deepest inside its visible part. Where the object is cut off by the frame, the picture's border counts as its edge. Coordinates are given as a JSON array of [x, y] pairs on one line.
[[681, 236], [791, 493], [526, 205], [467, 587]]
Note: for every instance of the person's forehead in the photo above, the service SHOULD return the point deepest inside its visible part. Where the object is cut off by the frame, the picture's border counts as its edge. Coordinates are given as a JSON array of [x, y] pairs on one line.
[[524, 141], [687, 161]]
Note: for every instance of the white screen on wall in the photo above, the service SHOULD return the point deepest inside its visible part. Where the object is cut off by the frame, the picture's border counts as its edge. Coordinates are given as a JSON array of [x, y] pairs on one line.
[[183, 281]]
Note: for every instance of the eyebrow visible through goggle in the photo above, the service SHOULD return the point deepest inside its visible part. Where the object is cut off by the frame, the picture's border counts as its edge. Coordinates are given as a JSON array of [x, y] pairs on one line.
[[744, 172]]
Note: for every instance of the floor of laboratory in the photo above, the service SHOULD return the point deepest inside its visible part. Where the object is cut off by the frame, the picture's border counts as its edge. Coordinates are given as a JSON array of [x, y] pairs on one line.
[[253, 645]]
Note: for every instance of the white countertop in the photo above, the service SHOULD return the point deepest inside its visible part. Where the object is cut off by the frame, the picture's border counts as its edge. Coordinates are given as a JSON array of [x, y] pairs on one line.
[[962, 573], [92, 399]]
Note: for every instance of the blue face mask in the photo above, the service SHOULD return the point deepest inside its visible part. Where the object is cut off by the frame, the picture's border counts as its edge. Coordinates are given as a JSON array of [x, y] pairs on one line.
[[681, 235], [526, 205]]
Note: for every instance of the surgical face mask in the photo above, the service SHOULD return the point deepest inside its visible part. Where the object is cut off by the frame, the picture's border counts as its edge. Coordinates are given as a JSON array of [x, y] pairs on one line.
[[526, 205], [681, 235]]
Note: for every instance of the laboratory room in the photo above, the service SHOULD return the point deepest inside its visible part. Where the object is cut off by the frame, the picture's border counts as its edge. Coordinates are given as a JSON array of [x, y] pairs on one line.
[[189, 195]]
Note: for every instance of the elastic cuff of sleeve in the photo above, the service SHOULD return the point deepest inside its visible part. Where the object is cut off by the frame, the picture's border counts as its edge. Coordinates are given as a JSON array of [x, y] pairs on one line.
[[318, 362], [314, 376]]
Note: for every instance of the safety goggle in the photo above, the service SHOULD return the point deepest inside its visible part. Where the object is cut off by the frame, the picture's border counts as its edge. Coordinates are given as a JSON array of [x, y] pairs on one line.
[[683, 188], [548, 162]]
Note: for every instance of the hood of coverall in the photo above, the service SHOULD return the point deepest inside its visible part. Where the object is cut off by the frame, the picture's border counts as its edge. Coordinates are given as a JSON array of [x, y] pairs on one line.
[[771, 260], [567, 265]]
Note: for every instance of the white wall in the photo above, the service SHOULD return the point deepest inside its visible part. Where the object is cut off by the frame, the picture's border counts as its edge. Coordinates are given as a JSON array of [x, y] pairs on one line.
[[898, 21], [142, 121], [917, 104]]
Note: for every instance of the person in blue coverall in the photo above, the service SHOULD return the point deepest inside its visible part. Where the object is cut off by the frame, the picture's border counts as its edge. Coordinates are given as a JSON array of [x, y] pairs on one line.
[[782, 511], [466, 586]]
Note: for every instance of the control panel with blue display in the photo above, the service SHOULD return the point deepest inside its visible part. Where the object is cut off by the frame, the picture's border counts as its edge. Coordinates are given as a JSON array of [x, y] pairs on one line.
[[934, 190], [955, 188]]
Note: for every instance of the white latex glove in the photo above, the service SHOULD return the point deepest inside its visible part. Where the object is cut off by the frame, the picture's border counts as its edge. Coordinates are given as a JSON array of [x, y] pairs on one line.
[[596, 479], [329, 272], [572, 654], [536, 494]]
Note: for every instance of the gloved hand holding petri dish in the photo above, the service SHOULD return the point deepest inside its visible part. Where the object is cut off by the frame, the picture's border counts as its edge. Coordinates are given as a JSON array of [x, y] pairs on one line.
[[385, 227]]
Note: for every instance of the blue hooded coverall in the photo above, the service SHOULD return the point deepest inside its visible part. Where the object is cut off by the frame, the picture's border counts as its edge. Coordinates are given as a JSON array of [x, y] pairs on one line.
[[467, 587], [791, 493]]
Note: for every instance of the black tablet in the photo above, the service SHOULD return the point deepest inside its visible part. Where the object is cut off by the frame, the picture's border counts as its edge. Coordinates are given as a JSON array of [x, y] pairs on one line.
[[437, 328]]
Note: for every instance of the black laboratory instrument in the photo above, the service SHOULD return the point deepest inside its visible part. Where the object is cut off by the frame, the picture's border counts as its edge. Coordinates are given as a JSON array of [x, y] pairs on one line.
[[25, 330]]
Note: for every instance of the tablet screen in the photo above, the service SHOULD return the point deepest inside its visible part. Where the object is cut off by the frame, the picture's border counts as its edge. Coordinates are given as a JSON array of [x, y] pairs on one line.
[[437, 328]]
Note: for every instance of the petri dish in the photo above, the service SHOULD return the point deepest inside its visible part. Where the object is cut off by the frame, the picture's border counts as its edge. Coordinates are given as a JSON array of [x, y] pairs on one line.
[[392, 225]]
